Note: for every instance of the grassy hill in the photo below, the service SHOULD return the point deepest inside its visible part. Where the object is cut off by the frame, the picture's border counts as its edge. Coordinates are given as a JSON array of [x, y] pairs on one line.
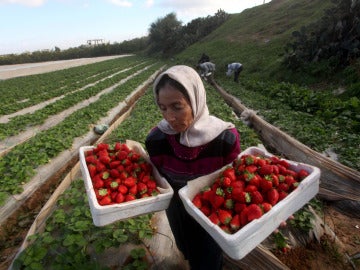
[[256, 37]]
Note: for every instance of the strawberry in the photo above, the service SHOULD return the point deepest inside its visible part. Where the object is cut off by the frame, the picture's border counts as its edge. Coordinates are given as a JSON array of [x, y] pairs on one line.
[[197, 201], [133, 189], [266, 169], [207, 193], [243, 217], [272, 196], [229, 172], [105, 200], [253, 212], [91, 159], [235, 223], [129, 197], [251, 168], [217, 201], [114, 173], [256, 197], [224, 216], [121, 155], [250, 188], [92, 170], [283, 187], [282, 195], [119, 197], [241, 196], [142, 188], [239, 207], [224, 181], [225, 228], [130, 181], [104, 159], [100, 167], [266, 183], [151, 184], [114, 164], [302, 174], [266, 207], [214, 218], [117, 146], [205, 209], [98, 183]]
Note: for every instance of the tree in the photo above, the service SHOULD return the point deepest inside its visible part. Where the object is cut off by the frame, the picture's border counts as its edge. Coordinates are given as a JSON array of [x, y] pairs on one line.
[[163, 34]]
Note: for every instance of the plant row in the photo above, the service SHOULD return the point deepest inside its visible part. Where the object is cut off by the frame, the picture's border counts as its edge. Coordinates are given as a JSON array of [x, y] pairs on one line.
[[20, 123], [20, 164], [22, 92], [293, 109]]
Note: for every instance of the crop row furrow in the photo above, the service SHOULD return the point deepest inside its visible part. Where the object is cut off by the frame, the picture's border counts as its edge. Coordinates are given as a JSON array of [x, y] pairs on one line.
[[22, 92], [19, 165], [24, 122]]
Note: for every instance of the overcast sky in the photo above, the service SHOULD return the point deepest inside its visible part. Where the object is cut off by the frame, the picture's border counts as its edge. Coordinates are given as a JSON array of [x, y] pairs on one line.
[[30, 25]]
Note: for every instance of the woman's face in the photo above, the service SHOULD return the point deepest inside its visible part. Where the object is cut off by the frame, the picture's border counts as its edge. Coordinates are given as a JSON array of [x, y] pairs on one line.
[[175, 108]]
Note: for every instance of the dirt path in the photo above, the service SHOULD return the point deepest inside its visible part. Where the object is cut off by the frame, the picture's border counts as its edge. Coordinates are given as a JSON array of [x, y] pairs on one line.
[[12, 71]]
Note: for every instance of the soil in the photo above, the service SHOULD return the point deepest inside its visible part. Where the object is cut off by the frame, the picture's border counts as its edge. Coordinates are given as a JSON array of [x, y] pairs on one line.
[[323, 255]]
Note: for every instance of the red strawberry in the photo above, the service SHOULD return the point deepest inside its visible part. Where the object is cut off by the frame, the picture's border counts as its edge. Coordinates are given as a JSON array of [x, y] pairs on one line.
[[123, 189], [114, 173], [256, 197], [217, 199], [243, 217], [283, 187], [105, 200], [151, 184], [272, 196], [92, 170], [250, 188], [197, 201], [253, 212], [214, 218], [121, 155], [205, 209], [98, 183], [282, 195], [239, 207], [130, 182], [104, 159], [235, 223], [129, 197], [224, 181], [302, 174], [224, 216], [251, 168], [229, 172], [266, 169], [91, 159], [142, 188], [266, 207], [133, 190], [119, 198], [266, 183], [207, 193], [241, 196]]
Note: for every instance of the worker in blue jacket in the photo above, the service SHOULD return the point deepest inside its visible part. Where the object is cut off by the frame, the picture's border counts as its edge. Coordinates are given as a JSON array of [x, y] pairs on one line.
[[235, 68]]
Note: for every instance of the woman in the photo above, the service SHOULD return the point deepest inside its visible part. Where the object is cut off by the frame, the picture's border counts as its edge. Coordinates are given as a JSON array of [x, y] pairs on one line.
[[186, 144]]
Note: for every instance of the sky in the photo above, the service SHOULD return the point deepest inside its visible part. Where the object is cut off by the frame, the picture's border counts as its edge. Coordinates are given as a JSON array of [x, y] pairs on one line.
[[35, 25]]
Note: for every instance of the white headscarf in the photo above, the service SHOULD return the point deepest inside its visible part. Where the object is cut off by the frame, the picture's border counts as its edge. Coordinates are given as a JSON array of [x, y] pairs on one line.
[[205, 127]]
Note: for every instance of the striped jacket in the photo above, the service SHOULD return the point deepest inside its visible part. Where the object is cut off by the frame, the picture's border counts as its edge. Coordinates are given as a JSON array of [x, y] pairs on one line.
[[179, 164]]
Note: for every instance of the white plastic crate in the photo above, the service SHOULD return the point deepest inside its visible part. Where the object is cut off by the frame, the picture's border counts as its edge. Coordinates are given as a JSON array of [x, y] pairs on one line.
[[239, 244], [104, 215]]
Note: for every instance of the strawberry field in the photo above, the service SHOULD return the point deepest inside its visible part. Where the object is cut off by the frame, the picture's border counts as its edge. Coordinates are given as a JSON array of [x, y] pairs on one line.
[[43, 127]]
